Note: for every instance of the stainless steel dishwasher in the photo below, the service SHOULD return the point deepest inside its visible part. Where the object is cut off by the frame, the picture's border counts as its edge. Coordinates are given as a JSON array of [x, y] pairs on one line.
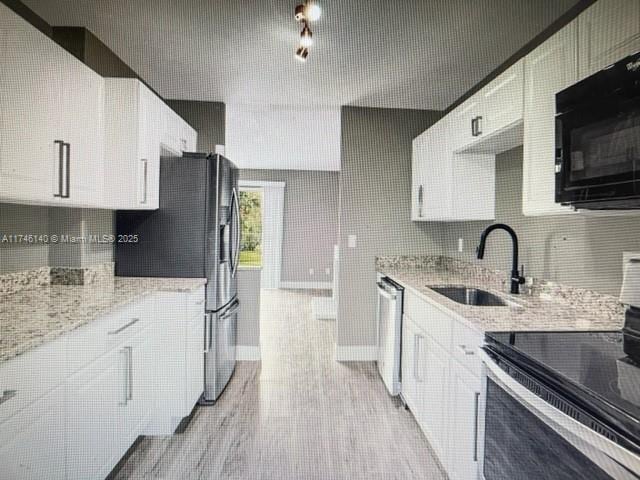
[[390, 296]]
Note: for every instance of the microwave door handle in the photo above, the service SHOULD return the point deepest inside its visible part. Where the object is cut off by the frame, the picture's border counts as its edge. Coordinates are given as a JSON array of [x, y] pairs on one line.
[[588, 442]]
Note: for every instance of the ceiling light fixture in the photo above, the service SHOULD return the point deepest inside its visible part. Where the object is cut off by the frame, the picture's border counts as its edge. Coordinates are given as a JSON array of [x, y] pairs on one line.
[[306, 37], [307, 12], [302, 53]]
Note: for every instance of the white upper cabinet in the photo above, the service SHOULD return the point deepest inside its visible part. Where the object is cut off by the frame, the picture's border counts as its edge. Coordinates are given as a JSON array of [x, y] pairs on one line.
[[51, 132], [488, 122], [139, 128], [502, 102], [607, 31], [448, 186], [549, 68]]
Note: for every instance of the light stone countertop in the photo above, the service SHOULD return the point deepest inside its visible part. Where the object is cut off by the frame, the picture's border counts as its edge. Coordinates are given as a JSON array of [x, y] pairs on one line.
[[31, 317], [551, 308]]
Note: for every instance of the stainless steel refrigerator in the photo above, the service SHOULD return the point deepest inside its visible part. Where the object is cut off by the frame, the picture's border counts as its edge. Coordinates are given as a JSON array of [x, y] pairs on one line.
[[194, 233]]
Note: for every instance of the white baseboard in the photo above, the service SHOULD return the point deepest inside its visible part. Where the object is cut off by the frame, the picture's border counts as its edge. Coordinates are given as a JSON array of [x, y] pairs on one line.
[[307, 285], [356, 353], [247, 353]]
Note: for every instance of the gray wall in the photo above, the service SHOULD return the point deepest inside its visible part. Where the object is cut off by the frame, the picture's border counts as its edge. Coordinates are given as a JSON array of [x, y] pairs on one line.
[[207, 118], [375, 190], [310, 221], [584, 251], [249, 315], [24, 220]]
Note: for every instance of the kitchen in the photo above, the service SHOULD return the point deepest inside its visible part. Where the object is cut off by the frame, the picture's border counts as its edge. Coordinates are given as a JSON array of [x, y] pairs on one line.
[[516, 139]]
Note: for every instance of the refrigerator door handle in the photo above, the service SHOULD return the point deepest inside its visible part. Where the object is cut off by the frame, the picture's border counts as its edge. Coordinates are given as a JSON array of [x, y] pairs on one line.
[[207, 333], [236, 254], [231, 311]]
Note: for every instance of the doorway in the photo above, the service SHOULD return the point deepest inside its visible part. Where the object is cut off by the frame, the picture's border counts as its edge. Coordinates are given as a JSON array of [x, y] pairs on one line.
[[262, 205]]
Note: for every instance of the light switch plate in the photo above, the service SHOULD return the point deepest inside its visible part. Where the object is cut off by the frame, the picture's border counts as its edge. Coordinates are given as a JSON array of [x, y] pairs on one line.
[[352, 241]]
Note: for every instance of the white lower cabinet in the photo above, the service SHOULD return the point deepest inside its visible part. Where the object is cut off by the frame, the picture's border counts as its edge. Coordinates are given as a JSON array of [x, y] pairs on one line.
[[32, 443], [194, 360], [75, 405], [96, 427], [461, 458], [441, 383], [433, 394]]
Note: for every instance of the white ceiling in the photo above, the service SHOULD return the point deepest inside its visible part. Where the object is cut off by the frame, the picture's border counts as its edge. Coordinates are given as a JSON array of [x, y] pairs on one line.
[[379, 53]]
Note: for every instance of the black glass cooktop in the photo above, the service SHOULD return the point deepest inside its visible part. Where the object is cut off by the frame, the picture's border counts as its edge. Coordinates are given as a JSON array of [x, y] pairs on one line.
[[591, 369]]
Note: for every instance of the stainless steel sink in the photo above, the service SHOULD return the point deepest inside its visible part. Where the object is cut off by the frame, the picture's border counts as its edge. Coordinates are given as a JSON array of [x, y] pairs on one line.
[[470, 296]]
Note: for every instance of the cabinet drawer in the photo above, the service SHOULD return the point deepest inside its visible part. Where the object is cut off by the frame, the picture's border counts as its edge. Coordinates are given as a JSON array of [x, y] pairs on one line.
[[429, 318], [28, 377], [103, 334], [465, 345]]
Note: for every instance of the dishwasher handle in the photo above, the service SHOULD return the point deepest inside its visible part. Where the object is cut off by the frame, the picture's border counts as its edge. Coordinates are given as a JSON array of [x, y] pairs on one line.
[[382, 290]]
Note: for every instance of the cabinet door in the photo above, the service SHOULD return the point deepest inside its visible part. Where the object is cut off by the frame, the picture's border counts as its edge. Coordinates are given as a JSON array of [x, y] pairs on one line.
[[433, 410], [149, 151], [31, 106], [502, 101], [549, 68], [417, 187], [141, 379], [464, 397], [408, 363], [462, 132], [194, 361], [435, 173], [608, 31], [32, 443], [95, 412], [84, 132]]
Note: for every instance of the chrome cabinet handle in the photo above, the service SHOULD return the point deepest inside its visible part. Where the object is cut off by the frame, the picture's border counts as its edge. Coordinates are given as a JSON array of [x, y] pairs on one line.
[[130, 373], [207, 334], [68, 179], [61, 145], [465, 350], [7, 395], [478, 126], [145, 174], [475, 426], [420, 200], [124, 327], [473, 127], [128, 376], [416, 357]]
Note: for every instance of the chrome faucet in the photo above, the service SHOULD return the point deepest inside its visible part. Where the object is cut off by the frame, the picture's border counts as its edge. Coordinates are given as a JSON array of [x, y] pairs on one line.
[[516, 278]]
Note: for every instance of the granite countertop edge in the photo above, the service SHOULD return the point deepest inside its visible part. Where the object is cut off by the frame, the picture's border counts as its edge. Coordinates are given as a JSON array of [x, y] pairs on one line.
[[33, 317], [532, 313]]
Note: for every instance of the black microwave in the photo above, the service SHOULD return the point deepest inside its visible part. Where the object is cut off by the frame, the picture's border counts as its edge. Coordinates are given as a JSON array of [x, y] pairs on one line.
[[598, 139]]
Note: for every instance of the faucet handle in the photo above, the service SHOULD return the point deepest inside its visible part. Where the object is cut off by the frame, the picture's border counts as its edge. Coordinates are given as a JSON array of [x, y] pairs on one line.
[[522, 279]]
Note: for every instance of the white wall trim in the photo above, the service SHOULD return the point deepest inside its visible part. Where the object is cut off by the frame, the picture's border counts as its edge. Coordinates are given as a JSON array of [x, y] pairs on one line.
[[247, 353], [356, 353], [307, 285]]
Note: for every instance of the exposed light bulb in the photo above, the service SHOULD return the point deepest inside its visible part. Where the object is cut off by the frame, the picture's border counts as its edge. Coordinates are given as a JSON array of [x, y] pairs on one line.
[[312, 11], [302, 53], [306, 37]]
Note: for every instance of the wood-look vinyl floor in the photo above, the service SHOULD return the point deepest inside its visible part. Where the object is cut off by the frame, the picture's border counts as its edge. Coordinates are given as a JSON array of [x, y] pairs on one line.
[[298, 414]]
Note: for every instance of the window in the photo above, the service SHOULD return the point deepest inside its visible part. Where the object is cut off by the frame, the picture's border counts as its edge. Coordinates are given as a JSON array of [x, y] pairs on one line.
[[251, 221]]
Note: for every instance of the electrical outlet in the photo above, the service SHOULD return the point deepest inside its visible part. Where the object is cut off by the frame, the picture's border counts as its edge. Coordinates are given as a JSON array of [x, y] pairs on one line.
[[311, 272], [352, 241]]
